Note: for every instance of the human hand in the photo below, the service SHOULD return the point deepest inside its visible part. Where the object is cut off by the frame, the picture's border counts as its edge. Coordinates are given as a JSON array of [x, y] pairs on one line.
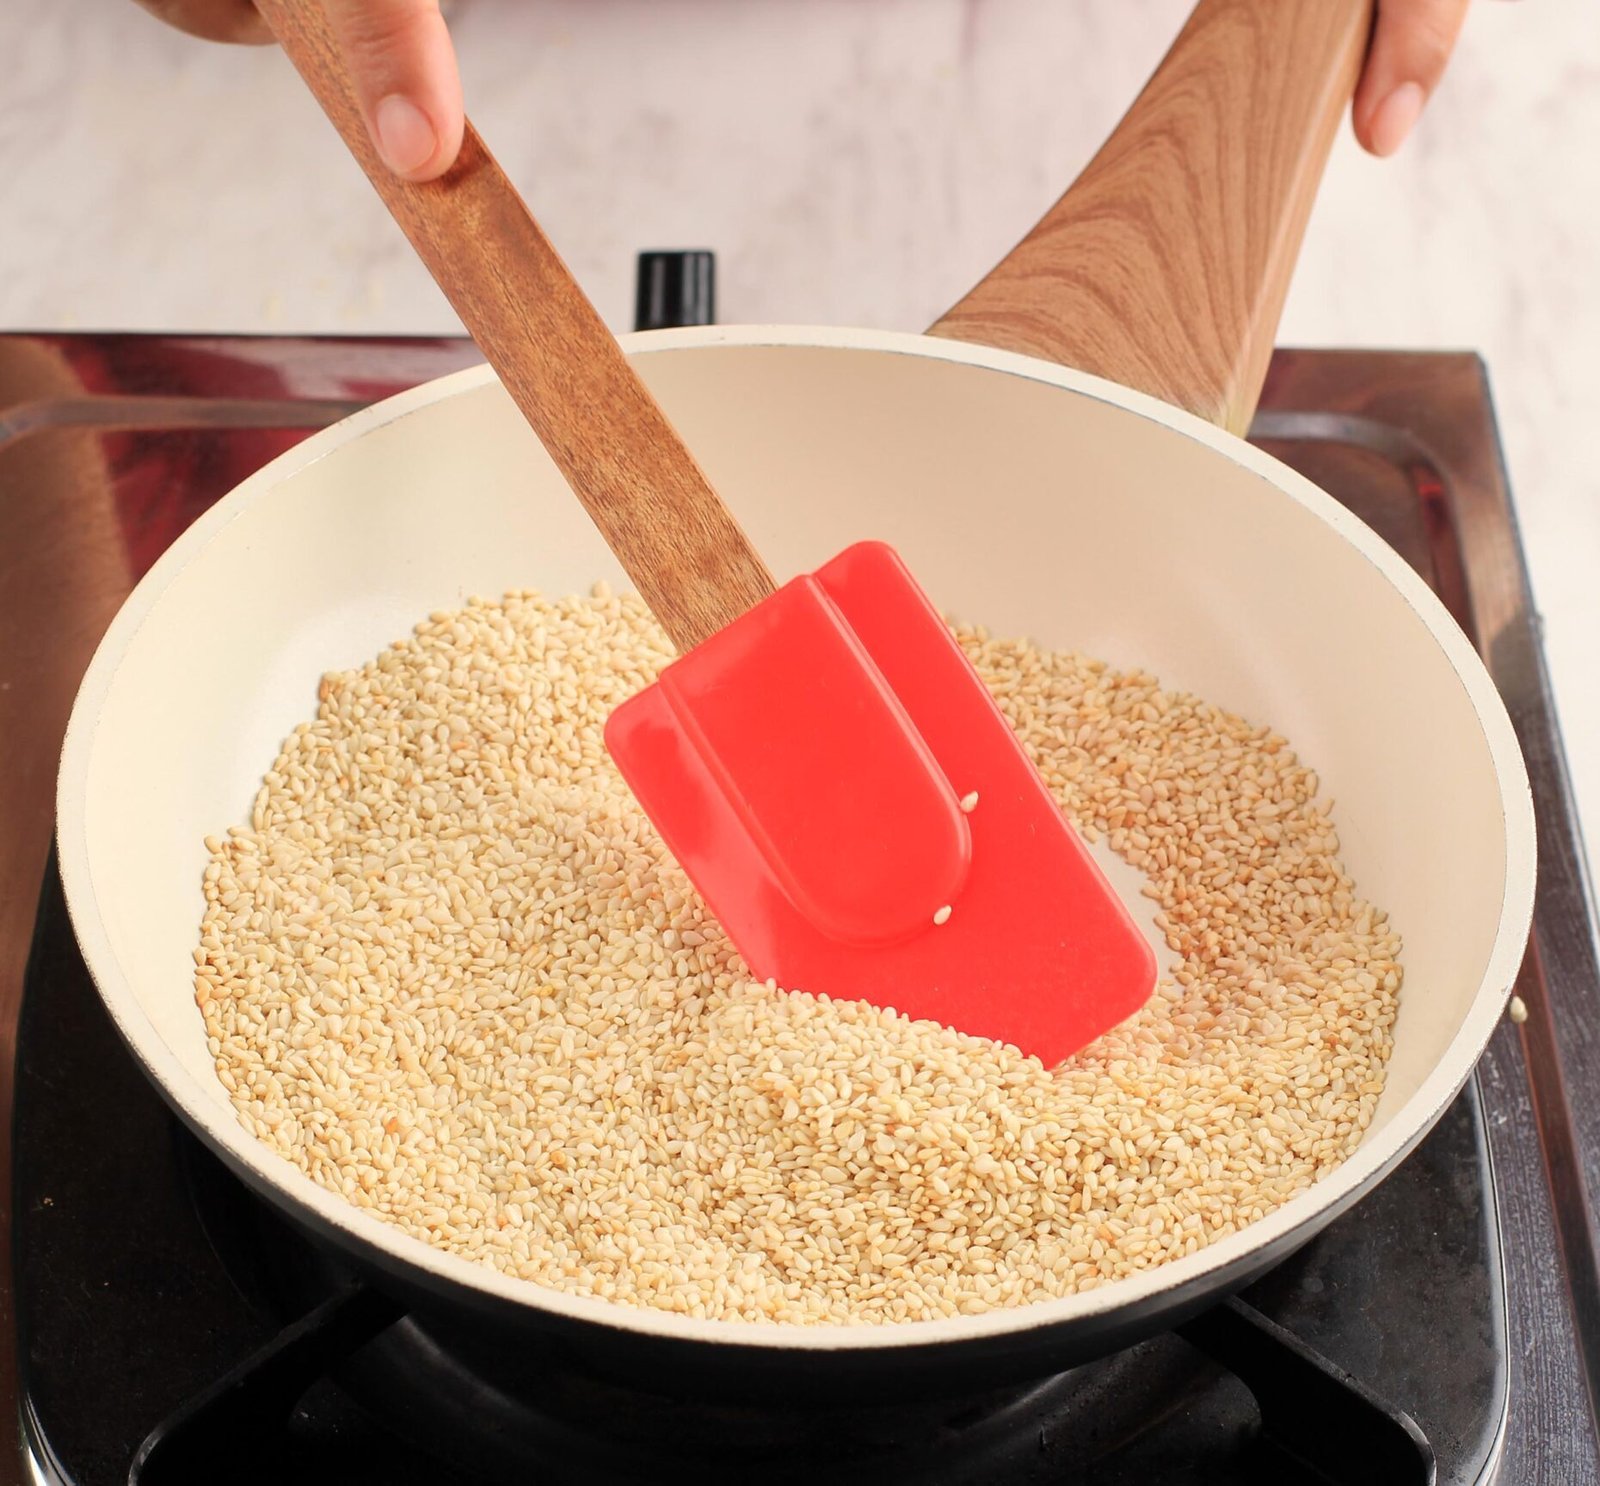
[[404, 68], [1411, 42], [400, 58]]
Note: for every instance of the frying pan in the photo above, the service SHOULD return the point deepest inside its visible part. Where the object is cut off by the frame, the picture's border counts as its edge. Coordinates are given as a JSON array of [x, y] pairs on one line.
[[1108, 508]]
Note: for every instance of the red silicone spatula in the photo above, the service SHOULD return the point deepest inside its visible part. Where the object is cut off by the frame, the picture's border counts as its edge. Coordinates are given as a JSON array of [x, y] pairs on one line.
[[808, 758], [808, 765]]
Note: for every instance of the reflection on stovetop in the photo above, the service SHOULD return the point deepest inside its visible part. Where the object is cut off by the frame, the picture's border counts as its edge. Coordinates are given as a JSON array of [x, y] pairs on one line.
[[216, 1344]]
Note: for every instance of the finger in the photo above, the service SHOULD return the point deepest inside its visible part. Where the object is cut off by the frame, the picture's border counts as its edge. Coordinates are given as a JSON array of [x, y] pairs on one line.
[[404, 69], [1411, 43], [215, 20]]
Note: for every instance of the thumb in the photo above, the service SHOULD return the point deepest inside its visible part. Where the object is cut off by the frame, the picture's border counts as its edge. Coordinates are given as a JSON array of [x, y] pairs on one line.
[[1411, 42], [404, 70]]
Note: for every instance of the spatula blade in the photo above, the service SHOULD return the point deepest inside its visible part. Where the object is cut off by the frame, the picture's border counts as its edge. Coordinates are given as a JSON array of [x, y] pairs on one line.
[[805, 767]]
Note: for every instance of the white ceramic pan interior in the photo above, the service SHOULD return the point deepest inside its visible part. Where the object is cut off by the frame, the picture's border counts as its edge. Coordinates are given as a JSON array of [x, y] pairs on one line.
[[1041, 502]]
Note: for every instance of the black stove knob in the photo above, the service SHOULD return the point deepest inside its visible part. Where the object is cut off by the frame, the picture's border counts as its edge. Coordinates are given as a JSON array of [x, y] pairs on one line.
[[675, 289]]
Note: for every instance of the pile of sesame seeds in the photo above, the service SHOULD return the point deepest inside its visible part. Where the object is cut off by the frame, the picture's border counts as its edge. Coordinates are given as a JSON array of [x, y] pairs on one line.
[[449, 971]]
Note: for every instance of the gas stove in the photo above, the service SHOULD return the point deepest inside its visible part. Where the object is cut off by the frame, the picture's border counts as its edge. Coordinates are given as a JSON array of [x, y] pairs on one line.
[[169, 1328]]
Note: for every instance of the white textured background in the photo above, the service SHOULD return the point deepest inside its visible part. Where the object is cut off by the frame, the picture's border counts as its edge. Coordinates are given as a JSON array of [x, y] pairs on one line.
[[850, 161]]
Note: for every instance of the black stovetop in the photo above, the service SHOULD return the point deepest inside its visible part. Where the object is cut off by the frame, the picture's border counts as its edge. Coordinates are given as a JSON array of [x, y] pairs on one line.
[[170, 1329]]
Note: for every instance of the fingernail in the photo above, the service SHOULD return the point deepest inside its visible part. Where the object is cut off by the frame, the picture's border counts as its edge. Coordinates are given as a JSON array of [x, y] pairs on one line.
[[405, 137], [1396, 117]]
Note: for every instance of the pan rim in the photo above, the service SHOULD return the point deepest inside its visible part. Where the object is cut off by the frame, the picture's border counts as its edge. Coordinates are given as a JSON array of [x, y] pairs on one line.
[[1372, 1159]]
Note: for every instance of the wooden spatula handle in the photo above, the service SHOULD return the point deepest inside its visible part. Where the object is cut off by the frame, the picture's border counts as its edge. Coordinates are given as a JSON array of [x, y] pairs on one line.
[[1165, 265], [669, 529]]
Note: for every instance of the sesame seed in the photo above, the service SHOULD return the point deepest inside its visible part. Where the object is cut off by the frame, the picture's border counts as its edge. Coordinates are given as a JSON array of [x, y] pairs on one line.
[[969, 802], [1518, 1010], [942, 915], [448, 970]]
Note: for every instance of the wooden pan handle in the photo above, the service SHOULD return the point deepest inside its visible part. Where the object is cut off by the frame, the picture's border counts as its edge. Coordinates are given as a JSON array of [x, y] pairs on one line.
[[669, 529], [1165, 265]]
